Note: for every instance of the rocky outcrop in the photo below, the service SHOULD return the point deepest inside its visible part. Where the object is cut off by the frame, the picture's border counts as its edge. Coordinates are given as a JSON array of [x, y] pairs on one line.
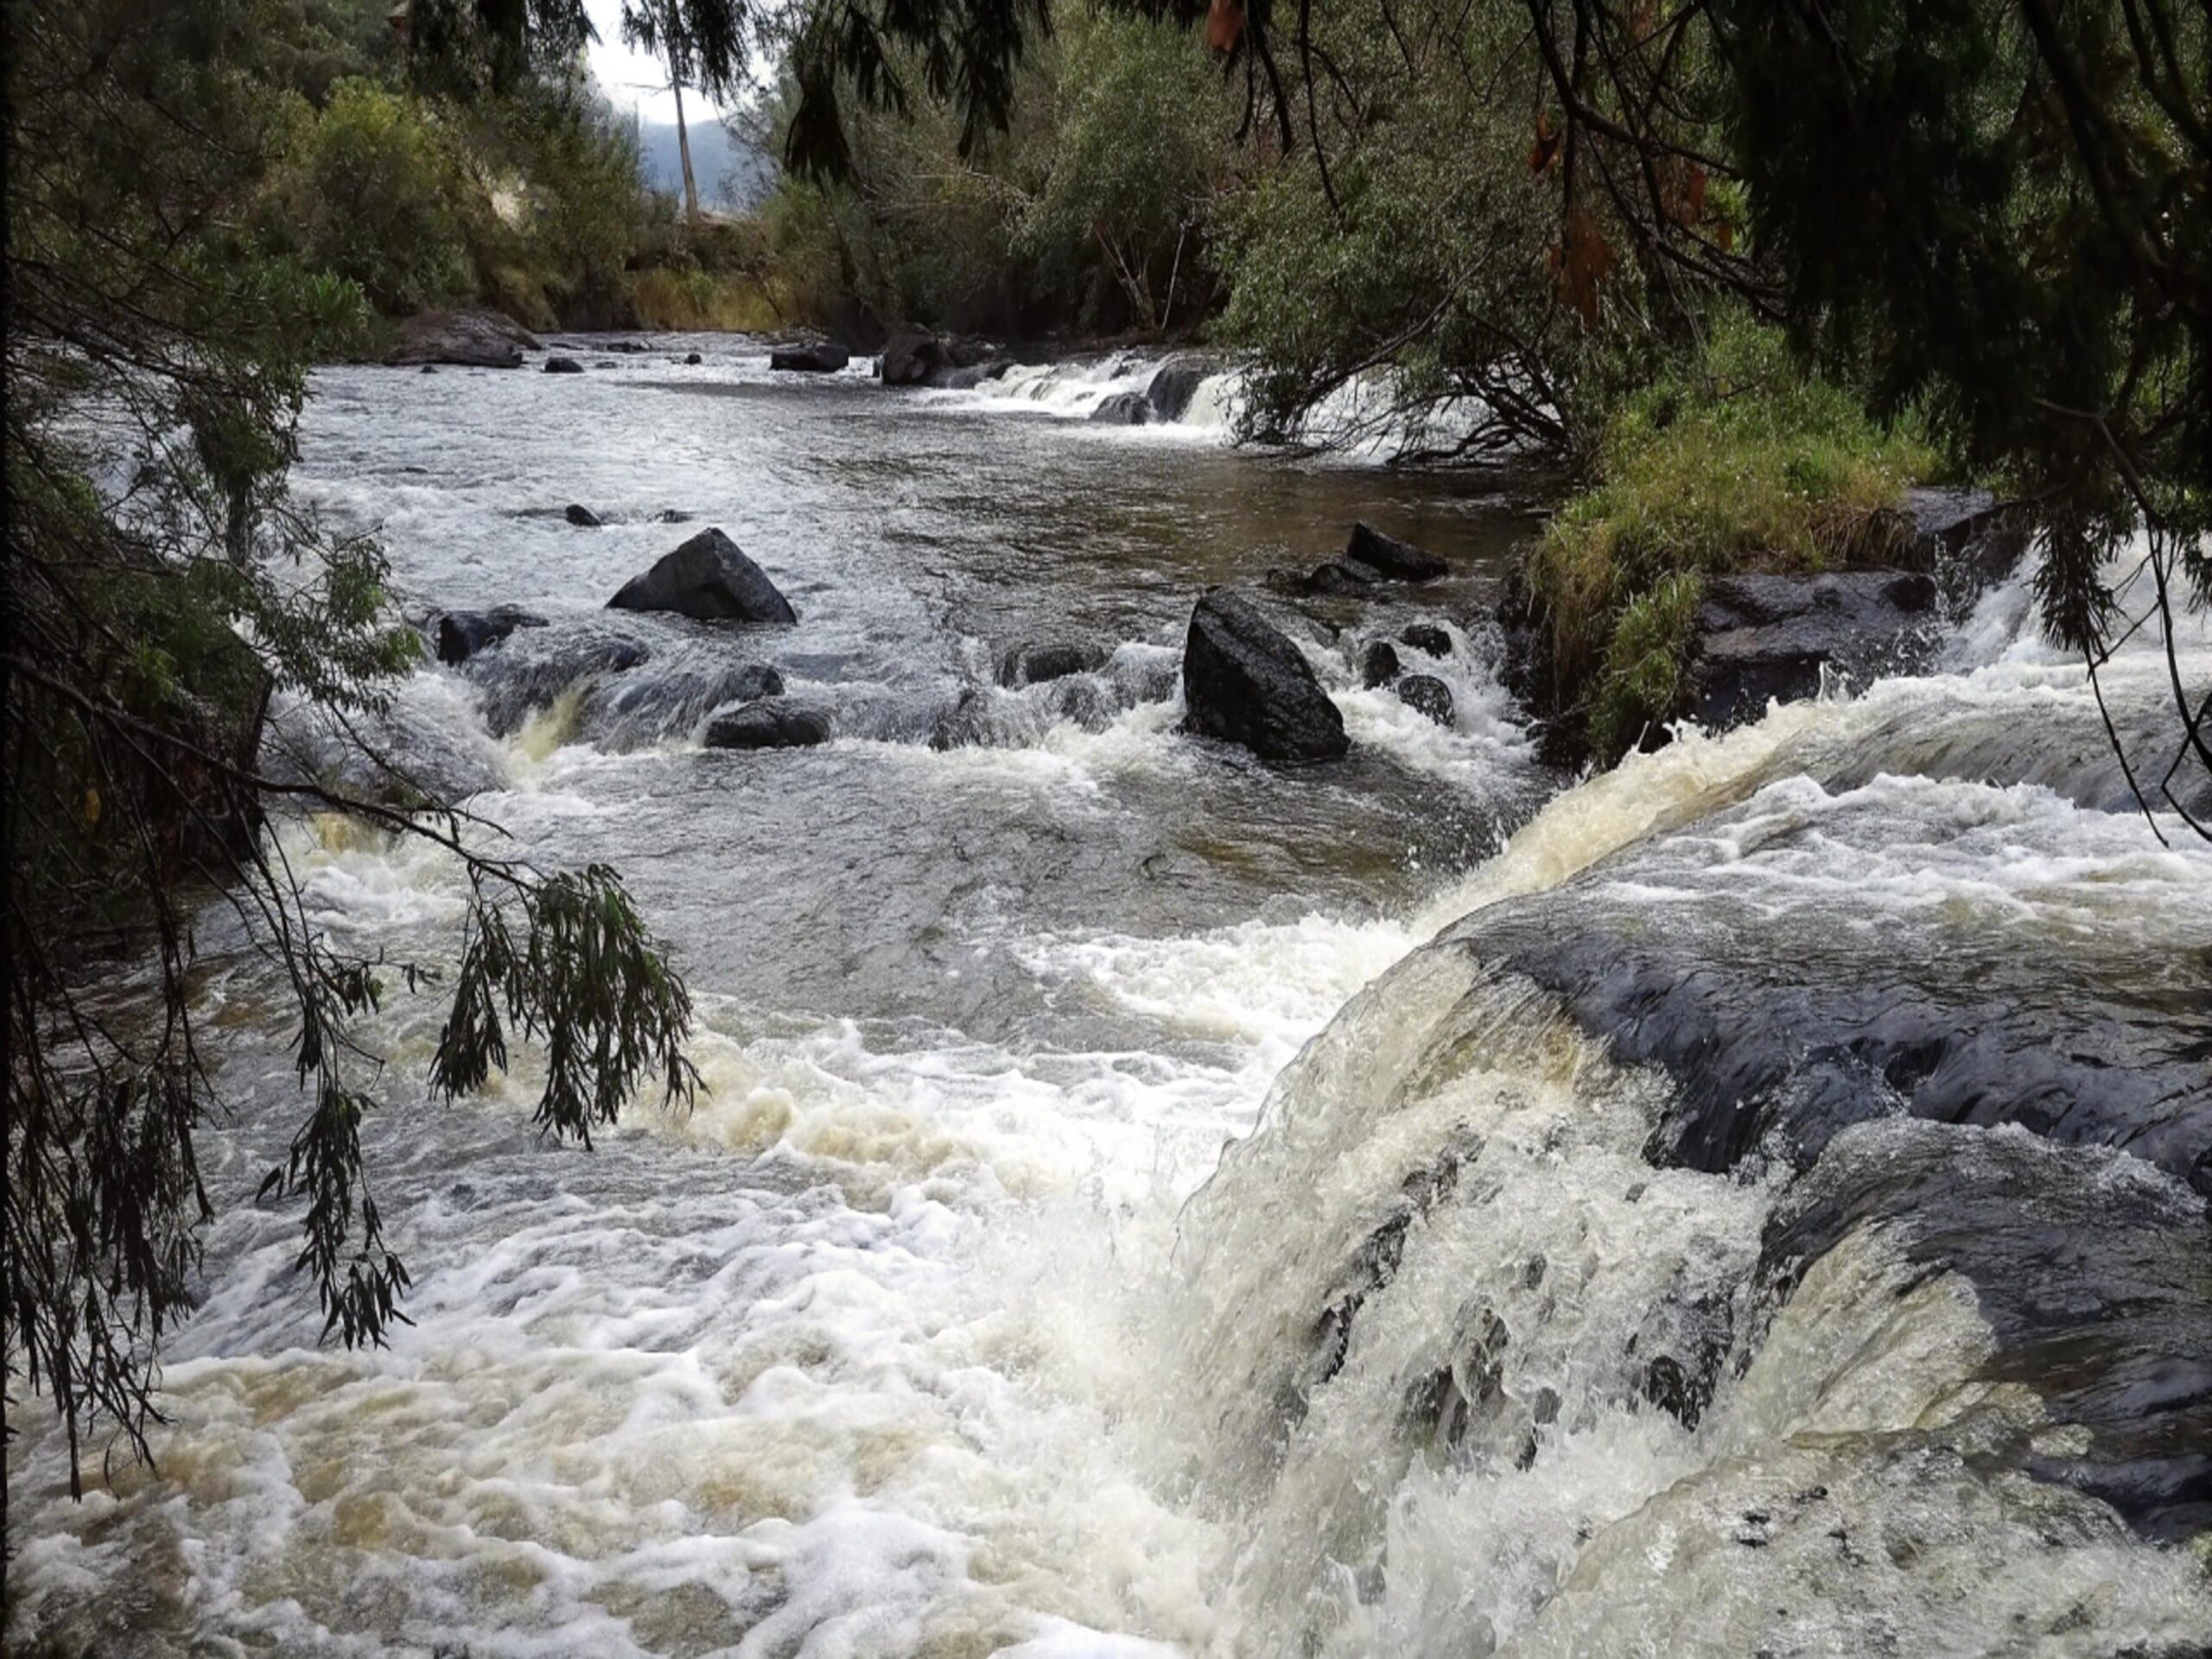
[[1175, 383], [1770, 636], [461, 634], [472, 339], [1390, 559], [1051, 659], [1244, 682], [709, 579], [774, 723], [562, 366], [918, 359], [820, 358], [580, 516], [1425, 694]]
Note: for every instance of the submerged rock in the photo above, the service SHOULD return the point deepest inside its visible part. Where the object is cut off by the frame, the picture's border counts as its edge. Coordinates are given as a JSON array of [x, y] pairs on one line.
[[1770, 636], [1390, 559], [1052, 659], [580, 516], [562, 366], [774, 723], [471, 339], [1244, 682], [820, 358], [461, 634], [1425, 694], [919, 359], [707, 578]]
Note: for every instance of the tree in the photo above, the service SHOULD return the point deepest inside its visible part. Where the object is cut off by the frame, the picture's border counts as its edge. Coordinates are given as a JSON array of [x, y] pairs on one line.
[[161, 587]]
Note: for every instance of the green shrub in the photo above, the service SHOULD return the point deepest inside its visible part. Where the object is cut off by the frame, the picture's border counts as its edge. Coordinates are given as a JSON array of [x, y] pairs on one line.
[[373, 198], [1734, 460]]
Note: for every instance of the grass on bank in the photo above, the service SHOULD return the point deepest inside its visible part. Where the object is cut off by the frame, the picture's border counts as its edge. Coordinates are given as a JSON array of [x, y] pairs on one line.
[[1735, 462]]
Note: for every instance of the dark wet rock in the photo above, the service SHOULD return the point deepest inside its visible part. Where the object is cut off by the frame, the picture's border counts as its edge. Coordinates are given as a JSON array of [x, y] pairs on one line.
[[1175, 383], [1123, 408], [1051, 659], [672, 516], [606, 363], [1428, 637], [633, 347], [774, 723], [968, 377], [1244, 682], [820, 358], [429, 368], [692, 359], [707, 578], [1378, 664], [562, 366], [1391, 559], [461, 634], [1336, 580], [1762, 638], [909, 358], [2091, 1281], [580, 516], [531, 672], [1426, 694], [472, 339]]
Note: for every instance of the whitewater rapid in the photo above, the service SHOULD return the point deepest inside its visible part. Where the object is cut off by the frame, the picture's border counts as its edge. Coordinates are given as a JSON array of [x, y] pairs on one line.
[[1142, 1203]]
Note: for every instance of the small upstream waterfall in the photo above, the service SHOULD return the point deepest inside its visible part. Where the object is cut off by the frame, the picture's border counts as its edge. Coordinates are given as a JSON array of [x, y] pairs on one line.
[[1750, 1200]]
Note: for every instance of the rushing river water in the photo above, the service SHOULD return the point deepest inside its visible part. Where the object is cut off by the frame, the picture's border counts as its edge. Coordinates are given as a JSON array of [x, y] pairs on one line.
[[1754, 1201]]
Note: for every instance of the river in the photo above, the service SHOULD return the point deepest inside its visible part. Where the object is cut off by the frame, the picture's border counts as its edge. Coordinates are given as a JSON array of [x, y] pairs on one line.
[[1752, 1201]]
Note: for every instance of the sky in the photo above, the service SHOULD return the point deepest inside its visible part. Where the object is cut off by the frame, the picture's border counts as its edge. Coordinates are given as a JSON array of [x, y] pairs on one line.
[[632, 78]]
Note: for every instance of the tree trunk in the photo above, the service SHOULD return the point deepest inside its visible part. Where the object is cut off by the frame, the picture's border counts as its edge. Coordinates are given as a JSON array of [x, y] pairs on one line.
[[684, 150]]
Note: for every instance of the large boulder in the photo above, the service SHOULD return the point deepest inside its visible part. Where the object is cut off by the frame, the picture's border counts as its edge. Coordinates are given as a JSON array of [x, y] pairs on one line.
[[1770, 636], [773, 723], [580, 516], [709, 579], [820, 358], [1378, 664], [1427, 637], [1245, 682], [910, 358], [1391, 559], [461, 634], [473, 338]]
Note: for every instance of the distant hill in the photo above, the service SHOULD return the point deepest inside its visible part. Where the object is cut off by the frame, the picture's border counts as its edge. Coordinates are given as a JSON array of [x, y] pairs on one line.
[[733, 176]]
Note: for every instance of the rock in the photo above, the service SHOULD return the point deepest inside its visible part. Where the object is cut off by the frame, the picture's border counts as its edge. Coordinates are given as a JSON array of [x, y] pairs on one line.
[[909, 358], [774, 723], [581, 517], [1425, 694], [820, 358], [1175, 383], [1123, 408], [1244, 682], [1769, 636], [1337, 580], [473, 338], [632, 347], [672, 516], [974, 375], [1391, 559], [1428, 637], [461, 634], [692, 359], [1052, 659], [429, 368], [1378, 664], [562, 366], [707, 578], [750, 684]]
